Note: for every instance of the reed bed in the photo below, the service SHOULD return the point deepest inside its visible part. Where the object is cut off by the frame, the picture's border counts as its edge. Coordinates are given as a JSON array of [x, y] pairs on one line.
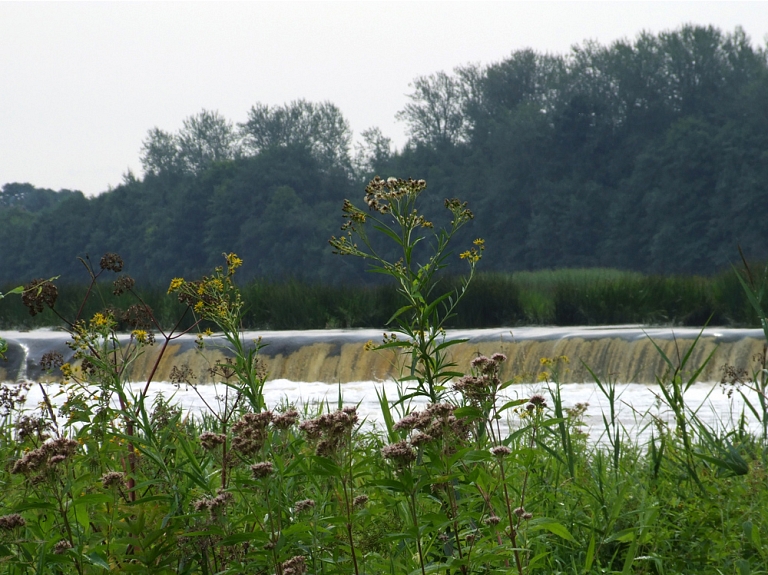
[[546, 297]]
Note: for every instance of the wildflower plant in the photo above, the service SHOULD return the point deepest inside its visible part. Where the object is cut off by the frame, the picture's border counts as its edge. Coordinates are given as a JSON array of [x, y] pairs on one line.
[[216, 299], [419, 325]]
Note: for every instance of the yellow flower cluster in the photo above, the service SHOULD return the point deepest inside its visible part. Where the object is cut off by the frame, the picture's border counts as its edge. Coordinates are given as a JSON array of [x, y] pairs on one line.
[[550, 361], [100, 320], [176, 283], [473, 254], [140, 335], [233, 262]]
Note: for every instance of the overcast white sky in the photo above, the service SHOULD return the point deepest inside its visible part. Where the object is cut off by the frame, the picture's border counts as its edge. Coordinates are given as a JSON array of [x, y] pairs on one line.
[[81, 83]]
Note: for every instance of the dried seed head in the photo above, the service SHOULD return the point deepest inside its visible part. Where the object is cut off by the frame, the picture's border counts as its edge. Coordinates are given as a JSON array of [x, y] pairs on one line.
[[360, 500], [112, 262], [138, 316], [538, 401], [123, 284], [38, 294], [492, 520], [51, 360]]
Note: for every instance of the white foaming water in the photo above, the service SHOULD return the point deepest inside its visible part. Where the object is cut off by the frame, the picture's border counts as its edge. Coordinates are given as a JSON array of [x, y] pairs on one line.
[[637, 405]]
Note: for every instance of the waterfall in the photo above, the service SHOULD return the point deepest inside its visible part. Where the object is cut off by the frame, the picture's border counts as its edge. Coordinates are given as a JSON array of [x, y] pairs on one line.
[[625, 354]]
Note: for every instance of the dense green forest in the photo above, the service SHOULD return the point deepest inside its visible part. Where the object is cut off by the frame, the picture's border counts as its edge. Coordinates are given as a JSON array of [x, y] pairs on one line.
[[648, 155]]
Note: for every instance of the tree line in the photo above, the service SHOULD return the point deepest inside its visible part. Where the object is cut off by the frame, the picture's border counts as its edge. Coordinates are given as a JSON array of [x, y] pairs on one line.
[[648, 154]]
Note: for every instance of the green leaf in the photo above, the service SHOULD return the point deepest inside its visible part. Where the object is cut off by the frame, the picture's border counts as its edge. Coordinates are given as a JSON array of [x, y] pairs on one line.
[[16, 290], [81, 514], [513, 403], [468, 411], [94, 498], [242, 537], [98, 560], [325, 466], [590, 554], [34, 504], [553, 527], [476, 456]]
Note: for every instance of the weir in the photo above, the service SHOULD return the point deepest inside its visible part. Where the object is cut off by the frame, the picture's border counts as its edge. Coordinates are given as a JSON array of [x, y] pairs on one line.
[[623, 353]]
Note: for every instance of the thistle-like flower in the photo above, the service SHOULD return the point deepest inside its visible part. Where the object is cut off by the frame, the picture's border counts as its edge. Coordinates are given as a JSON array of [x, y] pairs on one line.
[[262, 470], [112, 479], [12, 521], [401, 453], [303, 505], [211, 441], [501, 451], [61, 547], [295, 566]]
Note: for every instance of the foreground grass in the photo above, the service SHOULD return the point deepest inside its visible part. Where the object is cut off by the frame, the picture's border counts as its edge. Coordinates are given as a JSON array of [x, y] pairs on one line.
[[237, 492]]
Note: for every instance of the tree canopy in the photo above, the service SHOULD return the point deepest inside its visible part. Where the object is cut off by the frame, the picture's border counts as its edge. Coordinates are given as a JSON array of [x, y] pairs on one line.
[[649, 155]]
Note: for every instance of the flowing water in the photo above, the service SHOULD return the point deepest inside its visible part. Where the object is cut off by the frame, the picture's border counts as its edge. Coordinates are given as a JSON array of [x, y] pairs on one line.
[[307, 367]]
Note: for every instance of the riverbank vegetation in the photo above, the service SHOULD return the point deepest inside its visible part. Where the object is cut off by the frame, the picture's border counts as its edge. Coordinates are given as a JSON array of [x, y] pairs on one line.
[[485, 479], [545, 297]]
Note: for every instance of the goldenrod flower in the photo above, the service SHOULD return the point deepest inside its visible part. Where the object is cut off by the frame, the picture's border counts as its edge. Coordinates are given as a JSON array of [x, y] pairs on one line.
[[66, 370], [199, 307]]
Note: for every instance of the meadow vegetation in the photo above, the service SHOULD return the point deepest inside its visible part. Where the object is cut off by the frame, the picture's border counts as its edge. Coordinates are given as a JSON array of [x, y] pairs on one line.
[[484, 479]]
